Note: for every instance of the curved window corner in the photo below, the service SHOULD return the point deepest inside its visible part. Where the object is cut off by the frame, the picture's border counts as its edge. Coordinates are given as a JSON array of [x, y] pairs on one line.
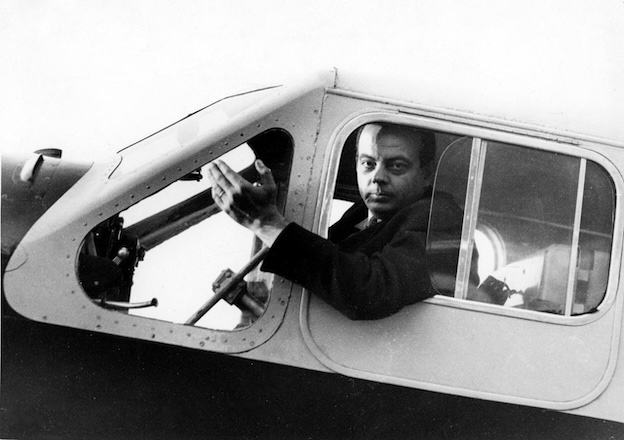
[[166, 256], [537, 231]]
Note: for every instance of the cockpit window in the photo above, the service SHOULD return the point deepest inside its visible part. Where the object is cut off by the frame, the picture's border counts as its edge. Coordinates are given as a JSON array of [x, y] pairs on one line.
[[538, 226], [212, 244], [162, 257]]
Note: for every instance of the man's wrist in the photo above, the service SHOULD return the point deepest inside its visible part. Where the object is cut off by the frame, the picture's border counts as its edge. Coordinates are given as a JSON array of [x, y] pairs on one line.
[[269, 229]]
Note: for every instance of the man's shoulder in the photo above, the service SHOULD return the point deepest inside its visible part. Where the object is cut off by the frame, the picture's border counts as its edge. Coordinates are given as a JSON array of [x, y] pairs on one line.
[[415, 212], [418, 213]]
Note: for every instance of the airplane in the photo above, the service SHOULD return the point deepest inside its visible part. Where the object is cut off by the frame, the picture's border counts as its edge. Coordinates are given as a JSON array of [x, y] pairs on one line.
[[132, 308]]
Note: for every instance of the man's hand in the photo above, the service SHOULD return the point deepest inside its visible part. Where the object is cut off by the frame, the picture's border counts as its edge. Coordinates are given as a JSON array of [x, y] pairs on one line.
[[251, 205]]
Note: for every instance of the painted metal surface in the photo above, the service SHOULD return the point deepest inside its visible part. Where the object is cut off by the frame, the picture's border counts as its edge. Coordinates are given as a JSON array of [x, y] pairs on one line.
[[553, 362], [563, 108], [31, 184], [139, 171]]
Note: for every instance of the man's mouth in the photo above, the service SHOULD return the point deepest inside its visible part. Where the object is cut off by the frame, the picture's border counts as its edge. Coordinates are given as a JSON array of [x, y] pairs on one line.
[[379, 197]]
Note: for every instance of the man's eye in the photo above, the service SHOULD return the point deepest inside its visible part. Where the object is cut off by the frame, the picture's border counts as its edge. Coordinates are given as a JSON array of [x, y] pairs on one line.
[[367, 164], [398, 167]]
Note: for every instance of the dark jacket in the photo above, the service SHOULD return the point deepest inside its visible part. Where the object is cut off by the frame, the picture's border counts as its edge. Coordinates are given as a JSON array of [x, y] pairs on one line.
[[368, 274]]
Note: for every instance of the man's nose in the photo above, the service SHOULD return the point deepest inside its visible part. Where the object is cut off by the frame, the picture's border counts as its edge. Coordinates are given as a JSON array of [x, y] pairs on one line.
[[380, 175]]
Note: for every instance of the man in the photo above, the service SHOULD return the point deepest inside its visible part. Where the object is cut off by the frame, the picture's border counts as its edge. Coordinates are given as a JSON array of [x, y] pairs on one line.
[[368, 273]]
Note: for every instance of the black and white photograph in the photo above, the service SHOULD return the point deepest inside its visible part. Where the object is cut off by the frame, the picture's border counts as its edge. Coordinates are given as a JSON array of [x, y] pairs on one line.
[[312, 220]]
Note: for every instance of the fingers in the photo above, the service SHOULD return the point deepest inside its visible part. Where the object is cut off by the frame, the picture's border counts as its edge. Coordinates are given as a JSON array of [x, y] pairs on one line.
[[266, 176], [223, 180], [227, 179], [230, 190], [232, 178], [214, 177], [223, 185], [247, 204]]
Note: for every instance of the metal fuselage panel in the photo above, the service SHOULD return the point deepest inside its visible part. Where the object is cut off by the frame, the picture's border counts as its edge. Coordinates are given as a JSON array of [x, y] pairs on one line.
[[24, 202]]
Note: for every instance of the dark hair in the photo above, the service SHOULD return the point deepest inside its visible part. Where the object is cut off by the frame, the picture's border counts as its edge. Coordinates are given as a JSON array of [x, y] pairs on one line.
[[423, 139]]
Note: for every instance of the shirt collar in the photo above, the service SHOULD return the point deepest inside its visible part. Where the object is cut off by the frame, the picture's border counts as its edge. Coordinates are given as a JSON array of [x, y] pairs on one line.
[[369, 221]]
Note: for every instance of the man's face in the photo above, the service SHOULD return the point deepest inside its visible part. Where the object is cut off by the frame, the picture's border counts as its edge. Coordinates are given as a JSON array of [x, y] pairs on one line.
[[388, 171]]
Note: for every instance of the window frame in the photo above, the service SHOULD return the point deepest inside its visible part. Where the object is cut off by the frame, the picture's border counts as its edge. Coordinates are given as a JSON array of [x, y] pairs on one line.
[[43, 286], [521, 137]]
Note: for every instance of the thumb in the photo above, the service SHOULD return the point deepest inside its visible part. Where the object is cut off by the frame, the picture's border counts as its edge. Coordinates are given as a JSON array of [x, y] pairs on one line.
[[266, 177]]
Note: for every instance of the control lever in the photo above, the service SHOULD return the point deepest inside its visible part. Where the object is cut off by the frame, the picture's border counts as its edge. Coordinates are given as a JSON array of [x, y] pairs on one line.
[[121, 305], [230, 285], [238, 295]]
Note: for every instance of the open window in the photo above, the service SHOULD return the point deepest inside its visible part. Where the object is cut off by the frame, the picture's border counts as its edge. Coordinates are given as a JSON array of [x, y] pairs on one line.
[[160, 258], [444, 240], [537, 227], [346, 192], [522, 199]]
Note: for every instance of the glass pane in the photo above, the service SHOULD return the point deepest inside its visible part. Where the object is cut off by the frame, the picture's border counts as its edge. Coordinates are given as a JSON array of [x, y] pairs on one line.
[[595, 239], [525, 230], [449, 190], [525, 224]]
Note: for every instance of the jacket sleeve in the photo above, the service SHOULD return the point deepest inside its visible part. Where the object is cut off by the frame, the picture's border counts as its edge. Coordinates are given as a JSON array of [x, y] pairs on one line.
[[359, 285]]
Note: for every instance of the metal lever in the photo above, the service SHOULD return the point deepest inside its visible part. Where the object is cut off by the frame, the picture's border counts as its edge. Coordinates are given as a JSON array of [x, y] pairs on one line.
[[231, 283], [29, 169], [120, 305]]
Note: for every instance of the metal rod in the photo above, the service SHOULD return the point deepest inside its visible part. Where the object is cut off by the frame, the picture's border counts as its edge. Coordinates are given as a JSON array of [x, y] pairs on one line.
[[574, 247], [230, 284], [471, 213]]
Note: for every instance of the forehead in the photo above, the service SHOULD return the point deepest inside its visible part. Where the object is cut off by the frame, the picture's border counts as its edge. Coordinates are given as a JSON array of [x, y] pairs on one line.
[[386, 142]]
